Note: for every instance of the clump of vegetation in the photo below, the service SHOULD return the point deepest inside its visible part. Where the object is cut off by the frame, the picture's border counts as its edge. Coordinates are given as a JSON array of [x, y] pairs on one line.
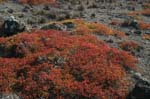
[[144, 11], [115, 22], [144, 25], [146, 36], [130, 46], [63, 66], [82, 27], [146, 5]]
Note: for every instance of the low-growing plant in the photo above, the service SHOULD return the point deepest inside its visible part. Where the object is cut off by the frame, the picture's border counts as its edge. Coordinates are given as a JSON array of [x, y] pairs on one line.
[[64, 66], [146, 36], [145, 12], [82, 27], [144, 25], [115, 22], [130, 46], [146, 5]]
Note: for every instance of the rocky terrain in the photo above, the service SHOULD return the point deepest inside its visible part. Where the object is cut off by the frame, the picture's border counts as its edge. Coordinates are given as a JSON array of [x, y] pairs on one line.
[[121, 15]]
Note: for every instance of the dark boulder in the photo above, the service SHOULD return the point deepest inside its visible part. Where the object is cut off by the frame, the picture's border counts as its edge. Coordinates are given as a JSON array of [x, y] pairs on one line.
[[141, 89], [70, 25], [11, 27], [131, 23], [139, 32]]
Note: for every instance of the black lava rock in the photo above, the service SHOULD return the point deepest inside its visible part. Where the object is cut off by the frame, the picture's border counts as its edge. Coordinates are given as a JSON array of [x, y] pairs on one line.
[[141, 91], [11, 27]]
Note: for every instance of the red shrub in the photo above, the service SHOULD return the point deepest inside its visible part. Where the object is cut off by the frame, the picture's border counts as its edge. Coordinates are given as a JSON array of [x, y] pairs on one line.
[[63, 66], [146, 36], [82, 27], [146, 12], [144, 25], [115, 22], [129, 45]]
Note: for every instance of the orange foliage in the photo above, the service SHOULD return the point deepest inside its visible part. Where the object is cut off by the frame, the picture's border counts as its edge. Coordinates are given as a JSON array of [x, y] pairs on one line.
[[129, 46], [145, 12], [99, 28], [83, 27], [115, 22], [57, 65], [146, 36], [144, 25]]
